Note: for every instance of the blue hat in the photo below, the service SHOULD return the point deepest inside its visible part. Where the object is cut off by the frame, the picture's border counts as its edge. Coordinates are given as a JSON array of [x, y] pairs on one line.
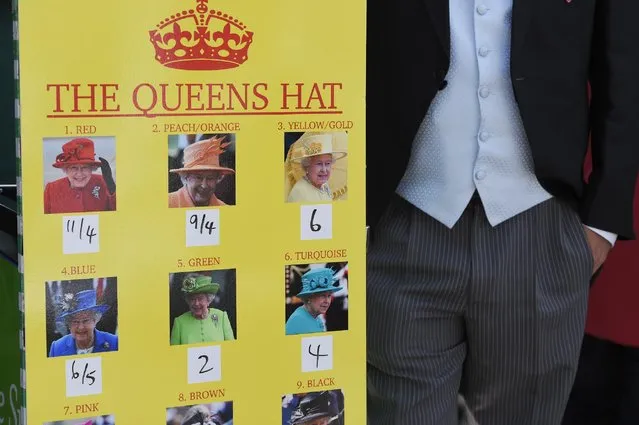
[[77, 303], [318, 280]]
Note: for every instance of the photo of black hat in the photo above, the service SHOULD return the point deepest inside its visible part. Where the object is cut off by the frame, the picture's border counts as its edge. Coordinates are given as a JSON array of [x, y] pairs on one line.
[[314, 406]]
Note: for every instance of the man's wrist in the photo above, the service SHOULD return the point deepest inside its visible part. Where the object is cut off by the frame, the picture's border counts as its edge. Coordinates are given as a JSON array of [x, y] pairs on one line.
[[610, 237]]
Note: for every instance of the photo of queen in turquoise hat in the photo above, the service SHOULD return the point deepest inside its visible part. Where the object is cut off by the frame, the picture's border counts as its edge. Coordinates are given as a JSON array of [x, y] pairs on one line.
[[318, 286], [201, 323]]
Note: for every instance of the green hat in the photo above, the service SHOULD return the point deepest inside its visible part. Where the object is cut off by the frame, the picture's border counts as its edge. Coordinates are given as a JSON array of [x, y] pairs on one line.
[[199, 285]]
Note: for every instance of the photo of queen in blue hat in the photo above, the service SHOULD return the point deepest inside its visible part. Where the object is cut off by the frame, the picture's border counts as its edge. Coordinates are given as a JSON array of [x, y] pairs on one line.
[[318, 287], [81, 312]]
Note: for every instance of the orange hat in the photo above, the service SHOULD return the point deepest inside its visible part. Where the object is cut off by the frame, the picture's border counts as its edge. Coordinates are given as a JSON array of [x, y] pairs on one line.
[[77, 151], [204, 156]]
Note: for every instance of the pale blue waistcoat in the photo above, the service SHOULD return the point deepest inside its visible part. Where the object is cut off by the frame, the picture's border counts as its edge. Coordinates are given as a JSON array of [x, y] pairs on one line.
[[472, 137]]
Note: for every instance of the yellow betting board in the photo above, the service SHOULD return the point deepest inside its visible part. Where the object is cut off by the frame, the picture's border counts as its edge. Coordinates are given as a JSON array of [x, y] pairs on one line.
[[193, 211]]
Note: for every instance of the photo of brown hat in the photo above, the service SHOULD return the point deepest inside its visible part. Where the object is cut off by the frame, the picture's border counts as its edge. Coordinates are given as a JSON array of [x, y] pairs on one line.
[[204, 156]]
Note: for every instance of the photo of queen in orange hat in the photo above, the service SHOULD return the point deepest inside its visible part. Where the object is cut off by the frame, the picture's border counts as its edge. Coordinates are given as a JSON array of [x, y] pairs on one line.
[[81, 189], [201, 174]]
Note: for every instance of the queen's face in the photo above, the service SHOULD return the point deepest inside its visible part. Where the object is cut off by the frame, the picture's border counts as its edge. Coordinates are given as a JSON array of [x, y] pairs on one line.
[[81, 326], [78, 175], [199, 305], [319, 303], [201, 186], [319, 169]]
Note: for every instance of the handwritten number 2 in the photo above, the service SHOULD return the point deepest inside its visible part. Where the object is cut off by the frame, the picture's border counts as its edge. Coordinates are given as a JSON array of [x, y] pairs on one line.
[[315, 227], [206, 361]]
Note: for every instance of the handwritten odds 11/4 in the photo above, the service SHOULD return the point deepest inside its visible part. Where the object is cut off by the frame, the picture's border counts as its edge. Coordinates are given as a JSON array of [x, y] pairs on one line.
[[81, 234]]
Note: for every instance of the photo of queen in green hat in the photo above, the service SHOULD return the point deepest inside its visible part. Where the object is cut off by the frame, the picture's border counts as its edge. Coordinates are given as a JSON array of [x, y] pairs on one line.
[[201, 323], [318, 286]]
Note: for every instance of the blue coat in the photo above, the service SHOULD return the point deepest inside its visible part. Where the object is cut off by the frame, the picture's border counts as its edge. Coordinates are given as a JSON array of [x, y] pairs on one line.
[[65, 346], [301, 322]]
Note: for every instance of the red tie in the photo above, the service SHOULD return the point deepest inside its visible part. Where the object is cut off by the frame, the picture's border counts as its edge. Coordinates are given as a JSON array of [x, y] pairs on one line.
[[99, 290]]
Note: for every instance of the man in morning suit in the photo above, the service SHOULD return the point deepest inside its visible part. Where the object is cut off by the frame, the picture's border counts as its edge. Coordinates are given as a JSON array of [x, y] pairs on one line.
[[483, 234]]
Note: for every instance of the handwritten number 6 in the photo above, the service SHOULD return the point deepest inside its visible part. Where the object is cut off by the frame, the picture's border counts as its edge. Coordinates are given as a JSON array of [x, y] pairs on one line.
[[315, 227], [206, 361], [74, 374]]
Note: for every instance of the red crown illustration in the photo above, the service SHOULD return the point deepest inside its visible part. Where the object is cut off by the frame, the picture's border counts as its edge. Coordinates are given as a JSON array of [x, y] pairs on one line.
[[201, 39]]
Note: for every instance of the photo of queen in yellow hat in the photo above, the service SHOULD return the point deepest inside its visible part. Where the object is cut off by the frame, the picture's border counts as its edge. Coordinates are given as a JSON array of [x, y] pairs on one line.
[[316, 168]]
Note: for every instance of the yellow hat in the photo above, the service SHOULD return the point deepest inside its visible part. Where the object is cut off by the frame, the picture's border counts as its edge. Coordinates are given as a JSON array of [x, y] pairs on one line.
[[312, 144]]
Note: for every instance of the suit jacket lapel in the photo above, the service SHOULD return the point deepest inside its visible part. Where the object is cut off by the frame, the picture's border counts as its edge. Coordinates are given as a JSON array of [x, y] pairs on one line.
[[440, 20], [522, 11]]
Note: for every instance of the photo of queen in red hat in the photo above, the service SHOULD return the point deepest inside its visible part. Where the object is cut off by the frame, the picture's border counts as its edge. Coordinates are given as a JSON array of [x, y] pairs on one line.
[[81, 189]]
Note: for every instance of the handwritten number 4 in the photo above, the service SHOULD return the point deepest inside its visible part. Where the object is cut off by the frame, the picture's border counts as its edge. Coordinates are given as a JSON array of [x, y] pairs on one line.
[[317, 354], [206, 361]]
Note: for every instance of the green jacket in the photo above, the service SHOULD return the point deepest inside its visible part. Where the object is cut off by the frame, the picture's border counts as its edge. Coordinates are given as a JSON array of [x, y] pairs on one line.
[[189, 330]]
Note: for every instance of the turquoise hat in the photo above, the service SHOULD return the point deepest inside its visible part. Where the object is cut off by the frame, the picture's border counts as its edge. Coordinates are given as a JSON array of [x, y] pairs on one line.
[[318, 280]]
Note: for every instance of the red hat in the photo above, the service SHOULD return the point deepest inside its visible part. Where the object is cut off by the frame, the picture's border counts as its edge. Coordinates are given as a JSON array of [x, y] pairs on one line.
[[77, 151]]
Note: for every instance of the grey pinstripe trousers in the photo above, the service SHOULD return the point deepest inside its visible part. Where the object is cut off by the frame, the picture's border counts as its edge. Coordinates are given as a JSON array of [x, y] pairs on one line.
[[495, 313]]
